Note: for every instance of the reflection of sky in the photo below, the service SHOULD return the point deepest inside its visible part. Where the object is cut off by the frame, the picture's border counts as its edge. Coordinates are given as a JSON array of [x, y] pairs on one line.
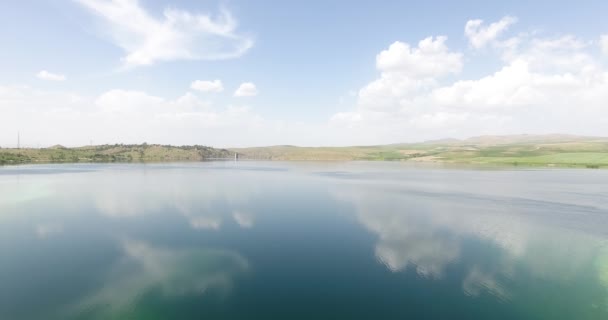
[[405, 241], [426, 228], [207, 199], [485, 229], [61, 220], [45, 230], [243, 218], [171, 272], [198, 197], [601, 263], [15, 190], [478, 281]]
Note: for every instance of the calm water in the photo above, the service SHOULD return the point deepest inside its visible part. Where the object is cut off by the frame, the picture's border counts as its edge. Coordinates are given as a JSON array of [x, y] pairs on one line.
[[302, 241]]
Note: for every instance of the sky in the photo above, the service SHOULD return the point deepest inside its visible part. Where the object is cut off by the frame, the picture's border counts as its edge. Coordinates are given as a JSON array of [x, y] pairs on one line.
[[309, 73]]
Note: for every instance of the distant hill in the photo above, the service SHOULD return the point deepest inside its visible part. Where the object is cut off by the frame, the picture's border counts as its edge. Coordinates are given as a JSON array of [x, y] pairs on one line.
[[523, 149], [112, 153], [527, 138]]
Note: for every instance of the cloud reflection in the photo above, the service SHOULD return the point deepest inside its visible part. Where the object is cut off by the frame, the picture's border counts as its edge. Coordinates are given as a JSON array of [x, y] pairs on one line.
[[403, 239], [46, 230], [243, 219], [402, 243], [478, 281], [145, 270], [204, 198], [430, 230], [206, 222]]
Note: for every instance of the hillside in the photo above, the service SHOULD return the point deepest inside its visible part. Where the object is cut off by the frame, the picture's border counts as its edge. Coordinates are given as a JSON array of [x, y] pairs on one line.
[[112, 153], [533, 150], [525, 150]]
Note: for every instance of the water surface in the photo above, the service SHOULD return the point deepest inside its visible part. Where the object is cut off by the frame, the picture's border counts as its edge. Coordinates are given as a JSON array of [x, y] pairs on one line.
[[272, 240]]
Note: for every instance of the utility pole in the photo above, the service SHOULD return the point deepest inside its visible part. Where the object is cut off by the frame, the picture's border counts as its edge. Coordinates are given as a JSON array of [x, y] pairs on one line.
[[18, 140]]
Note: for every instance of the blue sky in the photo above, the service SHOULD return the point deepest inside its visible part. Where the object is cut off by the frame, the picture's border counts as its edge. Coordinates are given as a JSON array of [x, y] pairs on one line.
[[72, 73]]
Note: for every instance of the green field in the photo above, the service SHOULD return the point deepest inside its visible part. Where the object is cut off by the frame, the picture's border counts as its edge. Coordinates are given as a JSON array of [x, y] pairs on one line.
[[112, 153], [527, 150], [524, 150], [588, 159]]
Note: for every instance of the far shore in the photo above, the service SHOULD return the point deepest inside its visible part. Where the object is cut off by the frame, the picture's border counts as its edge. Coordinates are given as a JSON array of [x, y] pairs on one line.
[[515, 150]]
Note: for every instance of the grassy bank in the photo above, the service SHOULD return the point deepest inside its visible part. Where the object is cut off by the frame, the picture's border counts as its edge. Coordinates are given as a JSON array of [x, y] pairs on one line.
[[521, 150], [526, 150], [111, 153]]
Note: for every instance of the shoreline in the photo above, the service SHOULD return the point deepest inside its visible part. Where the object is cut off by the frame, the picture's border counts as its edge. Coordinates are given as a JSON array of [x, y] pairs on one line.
[[448, 163]]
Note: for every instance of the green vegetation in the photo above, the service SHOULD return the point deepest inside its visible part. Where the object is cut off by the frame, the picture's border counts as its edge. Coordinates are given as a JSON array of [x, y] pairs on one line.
[[525, 150], [112, 153]]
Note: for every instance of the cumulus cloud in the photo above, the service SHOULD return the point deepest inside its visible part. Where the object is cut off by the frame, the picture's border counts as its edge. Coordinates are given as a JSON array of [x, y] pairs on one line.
[[604, 44], [123, 116], [405, 70], [554, 78], [45, 75], [420, 92], [479, 35], [131, 116], [246, 89], [549, 74], [207, 86], [513, 85], [430, 59], [121, 101], [177, 35]]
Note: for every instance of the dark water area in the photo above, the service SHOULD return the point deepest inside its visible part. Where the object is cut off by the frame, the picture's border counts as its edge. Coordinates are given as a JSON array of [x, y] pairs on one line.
[[302, 240]]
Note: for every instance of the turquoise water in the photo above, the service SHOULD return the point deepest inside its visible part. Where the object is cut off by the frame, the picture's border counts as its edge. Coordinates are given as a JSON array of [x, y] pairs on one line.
[[272, 240]]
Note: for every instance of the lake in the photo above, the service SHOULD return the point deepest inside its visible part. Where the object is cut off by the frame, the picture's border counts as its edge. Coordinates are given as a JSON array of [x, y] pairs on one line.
[[302, 240]]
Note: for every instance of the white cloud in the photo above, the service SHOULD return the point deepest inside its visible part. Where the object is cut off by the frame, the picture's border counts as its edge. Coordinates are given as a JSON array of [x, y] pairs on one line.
[[119, 101], [548, 74], [604, 43], [46, 118], [480, 35], [246, 89], [189, 102], [405, 70], [45, 75], [564, 54], [123, 116], [207, 86], [178, 35], [418, 94], [556, 79], [430, 59]]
